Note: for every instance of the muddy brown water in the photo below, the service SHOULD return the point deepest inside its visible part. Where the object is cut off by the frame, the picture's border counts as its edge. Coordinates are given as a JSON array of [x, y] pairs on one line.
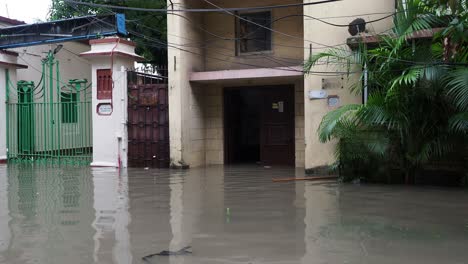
[[226, 214]]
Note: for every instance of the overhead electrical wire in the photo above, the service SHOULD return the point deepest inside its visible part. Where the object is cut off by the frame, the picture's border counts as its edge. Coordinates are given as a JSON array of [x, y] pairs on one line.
[[324, 46], [199, 10], [167, 45]]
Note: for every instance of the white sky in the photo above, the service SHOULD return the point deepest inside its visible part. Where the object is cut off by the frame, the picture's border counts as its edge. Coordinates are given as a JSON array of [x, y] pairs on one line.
[[29, 11]]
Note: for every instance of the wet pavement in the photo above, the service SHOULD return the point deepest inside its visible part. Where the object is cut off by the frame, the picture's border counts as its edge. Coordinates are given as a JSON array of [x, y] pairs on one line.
[[227, 215]]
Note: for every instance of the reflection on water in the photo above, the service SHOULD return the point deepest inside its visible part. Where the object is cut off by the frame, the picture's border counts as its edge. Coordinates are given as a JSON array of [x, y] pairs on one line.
[[227, 215]]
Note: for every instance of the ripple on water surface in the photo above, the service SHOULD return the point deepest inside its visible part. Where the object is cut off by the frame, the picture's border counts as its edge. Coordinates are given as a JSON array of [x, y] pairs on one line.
[[226, 214]]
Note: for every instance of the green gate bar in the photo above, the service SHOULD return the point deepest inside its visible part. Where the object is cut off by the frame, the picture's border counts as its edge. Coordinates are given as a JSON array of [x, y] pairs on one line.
[[51, 122]]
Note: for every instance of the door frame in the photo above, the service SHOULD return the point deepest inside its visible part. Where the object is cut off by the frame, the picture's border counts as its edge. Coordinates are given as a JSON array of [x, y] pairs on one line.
[[228, 151]]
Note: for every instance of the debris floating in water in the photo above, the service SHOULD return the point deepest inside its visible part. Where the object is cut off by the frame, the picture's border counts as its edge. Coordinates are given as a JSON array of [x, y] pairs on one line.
[[306, 179], [184, 251]]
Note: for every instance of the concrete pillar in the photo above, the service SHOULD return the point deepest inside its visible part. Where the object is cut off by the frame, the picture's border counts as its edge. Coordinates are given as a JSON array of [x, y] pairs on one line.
[[5, 231], [318, 156], [8, 63], [110, 140], [182, 99]]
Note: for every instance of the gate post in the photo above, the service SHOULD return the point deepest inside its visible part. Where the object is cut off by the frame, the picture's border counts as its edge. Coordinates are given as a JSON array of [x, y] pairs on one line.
[[110, 58], [8, 66]]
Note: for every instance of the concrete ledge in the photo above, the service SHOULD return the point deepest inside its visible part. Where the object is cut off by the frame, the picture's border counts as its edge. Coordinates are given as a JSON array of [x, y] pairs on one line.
[[104, 165], [179, 167], [320, 171], [13, 65], [110, 53], [111, 40], [294, 71]]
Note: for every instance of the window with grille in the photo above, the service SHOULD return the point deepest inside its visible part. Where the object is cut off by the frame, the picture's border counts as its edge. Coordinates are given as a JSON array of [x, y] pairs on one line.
[[252, 37], [69, 108]]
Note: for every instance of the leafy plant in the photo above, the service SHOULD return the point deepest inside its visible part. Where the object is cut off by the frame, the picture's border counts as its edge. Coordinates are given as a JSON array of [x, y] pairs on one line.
[[416, 114]]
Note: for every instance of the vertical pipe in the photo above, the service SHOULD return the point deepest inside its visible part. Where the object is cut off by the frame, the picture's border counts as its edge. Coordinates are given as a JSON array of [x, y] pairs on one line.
[[366, 90], [44, 116], [7, 93], [51, 99], [78, 121], [58, 121]]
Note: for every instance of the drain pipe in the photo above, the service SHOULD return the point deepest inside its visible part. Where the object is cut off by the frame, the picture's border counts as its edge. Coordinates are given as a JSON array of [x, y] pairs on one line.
[[119, 145], [366, 80]]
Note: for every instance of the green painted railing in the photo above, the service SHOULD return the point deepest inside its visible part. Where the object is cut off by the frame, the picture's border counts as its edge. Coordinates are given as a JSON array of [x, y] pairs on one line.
[[63, 138], [47, 123]]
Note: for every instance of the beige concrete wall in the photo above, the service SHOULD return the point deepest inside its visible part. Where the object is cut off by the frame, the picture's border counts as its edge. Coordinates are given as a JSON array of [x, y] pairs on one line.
[[299, 123], [285, 50], [3, 115], [71, 65], [184, 99], [196, 155], [316, 153], [196, 108], [214, 125]]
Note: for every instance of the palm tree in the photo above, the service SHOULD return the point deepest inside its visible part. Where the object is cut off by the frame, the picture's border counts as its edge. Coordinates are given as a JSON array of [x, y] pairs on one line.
[[417, 109]]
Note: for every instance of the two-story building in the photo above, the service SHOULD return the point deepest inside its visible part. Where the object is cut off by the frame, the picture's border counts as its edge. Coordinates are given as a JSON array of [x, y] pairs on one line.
[[237, 89]]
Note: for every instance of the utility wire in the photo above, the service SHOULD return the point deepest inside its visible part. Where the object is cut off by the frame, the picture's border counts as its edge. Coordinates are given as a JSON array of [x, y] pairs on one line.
[[166, 46], [262, 26], [198, 10]]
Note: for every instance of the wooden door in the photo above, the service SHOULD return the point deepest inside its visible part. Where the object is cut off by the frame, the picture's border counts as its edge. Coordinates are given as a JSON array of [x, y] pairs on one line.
[[277, 126], [148, 123]]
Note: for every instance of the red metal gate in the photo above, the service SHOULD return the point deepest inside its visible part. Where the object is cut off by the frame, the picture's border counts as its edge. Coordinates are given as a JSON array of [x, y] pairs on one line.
[[148, 121]]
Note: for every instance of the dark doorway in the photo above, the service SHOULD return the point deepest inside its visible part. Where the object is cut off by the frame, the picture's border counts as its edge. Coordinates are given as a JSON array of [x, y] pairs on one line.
[[259, 125]]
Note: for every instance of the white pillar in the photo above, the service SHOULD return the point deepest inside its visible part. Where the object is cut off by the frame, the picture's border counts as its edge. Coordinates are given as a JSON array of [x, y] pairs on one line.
[[110, 140], [5, 232], [8, 62]]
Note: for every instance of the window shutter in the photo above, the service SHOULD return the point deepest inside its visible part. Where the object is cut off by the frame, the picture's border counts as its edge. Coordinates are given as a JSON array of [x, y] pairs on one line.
[[104, 84]]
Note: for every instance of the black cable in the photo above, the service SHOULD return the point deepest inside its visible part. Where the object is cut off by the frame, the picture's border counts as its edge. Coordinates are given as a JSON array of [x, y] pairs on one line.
[[166, 45], [198, 10]]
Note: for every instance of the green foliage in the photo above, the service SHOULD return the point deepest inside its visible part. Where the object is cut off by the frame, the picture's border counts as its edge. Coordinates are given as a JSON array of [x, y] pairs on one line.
[[152, 25], [416, 114]]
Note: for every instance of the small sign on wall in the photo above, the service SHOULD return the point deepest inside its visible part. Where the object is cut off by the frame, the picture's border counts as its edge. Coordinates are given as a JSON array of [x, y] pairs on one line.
[[278, 106], [332, 83], [320, 94], [281, 107], [104, 109], [333, 101]]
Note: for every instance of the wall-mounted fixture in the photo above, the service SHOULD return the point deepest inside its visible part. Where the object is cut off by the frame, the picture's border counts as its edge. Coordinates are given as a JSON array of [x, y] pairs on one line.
[[333, 83], [317, 94], [333, 101]]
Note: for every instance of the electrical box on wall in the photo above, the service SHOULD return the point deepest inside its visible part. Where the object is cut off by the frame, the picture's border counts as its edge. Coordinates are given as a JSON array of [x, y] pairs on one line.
[[320, 94], [332, 83], [333, 101], [104, 84]]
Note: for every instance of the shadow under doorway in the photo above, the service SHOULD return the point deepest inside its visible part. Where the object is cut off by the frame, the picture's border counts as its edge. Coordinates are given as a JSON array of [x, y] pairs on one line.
[[259, 125]]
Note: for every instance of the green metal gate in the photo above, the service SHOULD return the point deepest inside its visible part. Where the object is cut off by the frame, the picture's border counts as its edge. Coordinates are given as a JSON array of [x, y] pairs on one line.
[[51, 122]]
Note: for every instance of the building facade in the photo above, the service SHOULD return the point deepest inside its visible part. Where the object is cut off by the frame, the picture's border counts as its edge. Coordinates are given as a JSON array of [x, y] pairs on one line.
[[237, 90]]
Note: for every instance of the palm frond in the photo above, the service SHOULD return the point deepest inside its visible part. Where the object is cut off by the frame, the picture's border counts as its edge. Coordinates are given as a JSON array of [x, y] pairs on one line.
[[334, 56], [409, 77], [459, 123], [457, 82], [328, 127]]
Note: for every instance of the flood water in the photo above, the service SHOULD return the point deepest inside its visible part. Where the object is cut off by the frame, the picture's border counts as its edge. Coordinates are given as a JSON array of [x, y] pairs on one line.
[[226, 215]]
